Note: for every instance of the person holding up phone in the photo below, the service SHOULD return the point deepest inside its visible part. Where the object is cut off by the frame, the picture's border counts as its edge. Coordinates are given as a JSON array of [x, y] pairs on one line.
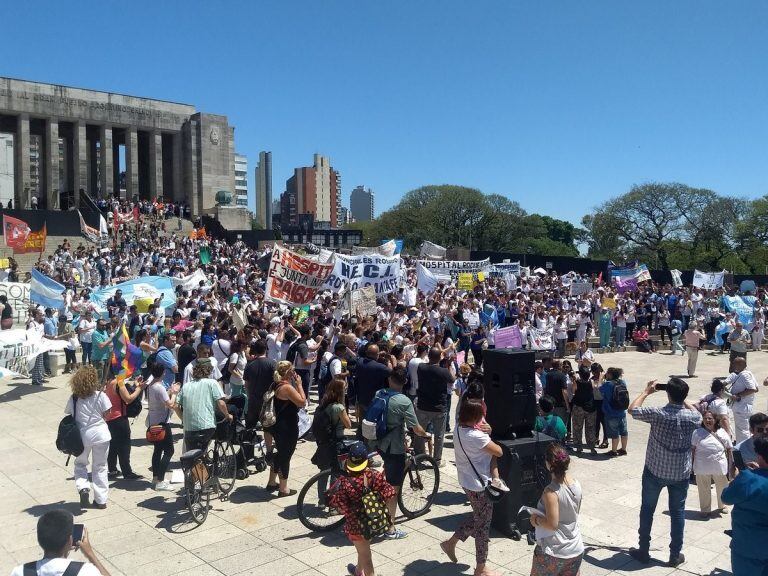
[[58, 535]]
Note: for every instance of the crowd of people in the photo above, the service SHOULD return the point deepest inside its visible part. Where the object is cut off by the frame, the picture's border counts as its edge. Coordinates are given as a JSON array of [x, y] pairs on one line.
[[222, 338]]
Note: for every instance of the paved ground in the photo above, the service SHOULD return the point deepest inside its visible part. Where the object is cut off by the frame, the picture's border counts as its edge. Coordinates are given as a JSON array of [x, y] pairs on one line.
[[142, 532]]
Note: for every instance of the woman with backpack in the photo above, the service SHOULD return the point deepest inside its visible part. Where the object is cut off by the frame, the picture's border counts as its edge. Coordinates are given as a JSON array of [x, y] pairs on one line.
[[120, 428], [88, 405], [712, 456], [615, 404], [289, 398], [474, 453], [361, 496]]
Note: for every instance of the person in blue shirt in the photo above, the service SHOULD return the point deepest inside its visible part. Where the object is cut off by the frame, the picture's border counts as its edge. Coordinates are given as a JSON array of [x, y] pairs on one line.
[[50, 331], [614, 420], [166, 359], [748, 493]]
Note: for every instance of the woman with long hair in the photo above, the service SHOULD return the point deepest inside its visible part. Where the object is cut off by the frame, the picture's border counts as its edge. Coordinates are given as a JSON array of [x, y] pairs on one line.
[[712, 451], [474, 453], [559, 546], [333, 405], [89, 405], [289, 397], [120, 428]]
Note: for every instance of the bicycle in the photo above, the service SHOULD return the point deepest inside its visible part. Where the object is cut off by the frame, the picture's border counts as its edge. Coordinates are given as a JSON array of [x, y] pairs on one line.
[[414, 499], [207, 471]]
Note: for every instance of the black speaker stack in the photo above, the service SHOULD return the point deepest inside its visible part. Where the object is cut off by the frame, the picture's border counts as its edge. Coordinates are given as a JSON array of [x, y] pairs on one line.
[[510, 397]]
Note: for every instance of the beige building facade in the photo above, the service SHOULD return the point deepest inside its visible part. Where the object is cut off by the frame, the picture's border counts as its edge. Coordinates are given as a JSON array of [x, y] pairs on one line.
[[69, 141]]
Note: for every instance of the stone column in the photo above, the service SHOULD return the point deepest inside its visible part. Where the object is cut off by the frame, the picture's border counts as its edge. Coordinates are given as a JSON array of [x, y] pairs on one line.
[[178, 184], [22, 181], [80, 161], [52, 183], [131, 163], [155, 165], [106, 159]]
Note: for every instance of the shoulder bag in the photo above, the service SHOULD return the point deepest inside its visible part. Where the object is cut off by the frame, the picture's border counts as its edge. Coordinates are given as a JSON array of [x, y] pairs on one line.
[[493, 493]]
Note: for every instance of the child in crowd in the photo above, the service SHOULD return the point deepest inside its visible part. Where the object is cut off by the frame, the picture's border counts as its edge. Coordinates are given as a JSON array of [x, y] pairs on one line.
[[360, 478], [474, 390], [549, 423]]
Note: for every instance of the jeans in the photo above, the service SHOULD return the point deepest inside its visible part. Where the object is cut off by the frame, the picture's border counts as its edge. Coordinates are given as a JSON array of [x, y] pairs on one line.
[[87, 347], [437, 419], [120, 445], [162, 454], [677, 491], [621, 336]]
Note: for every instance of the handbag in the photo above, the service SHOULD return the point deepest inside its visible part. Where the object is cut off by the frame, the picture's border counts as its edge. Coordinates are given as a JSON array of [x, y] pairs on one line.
[[155, 433], [268, 416], [493, 493]]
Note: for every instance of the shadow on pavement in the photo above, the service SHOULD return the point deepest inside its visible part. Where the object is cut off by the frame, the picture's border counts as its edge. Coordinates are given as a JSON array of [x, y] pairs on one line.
[[40, 509], [447, 568], [20, 390]]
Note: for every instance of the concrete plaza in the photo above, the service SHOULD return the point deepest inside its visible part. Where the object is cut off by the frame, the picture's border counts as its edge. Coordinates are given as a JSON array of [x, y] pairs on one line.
[[143, 532]]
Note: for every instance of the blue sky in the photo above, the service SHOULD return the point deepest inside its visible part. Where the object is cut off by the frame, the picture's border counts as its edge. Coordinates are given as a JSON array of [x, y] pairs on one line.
[[557, 105]]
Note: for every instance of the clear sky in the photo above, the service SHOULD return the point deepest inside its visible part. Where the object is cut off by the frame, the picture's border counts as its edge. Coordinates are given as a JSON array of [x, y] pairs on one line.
[[558, 105]]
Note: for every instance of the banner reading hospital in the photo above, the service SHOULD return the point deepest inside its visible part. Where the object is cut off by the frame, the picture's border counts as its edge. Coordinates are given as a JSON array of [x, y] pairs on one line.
[[293, 279], [444, 270]]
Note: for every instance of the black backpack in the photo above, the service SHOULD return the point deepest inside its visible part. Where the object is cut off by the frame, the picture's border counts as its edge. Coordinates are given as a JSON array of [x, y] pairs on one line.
[[152, 359], [30, 569], [133, 409], [225, 373], [68, 439], [322, 427], [620, 396]]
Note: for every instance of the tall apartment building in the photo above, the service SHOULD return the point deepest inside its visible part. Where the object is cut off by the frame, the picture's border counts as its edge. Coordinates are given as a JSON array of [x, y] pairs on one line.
[[345, 216], [361, 204], [313, 190], [264, 190], [241, 180]]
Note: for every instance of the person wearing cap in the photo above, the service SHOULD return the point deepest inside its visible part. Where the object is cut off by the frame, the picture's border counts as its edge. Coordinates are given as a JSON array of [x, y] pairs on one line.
[[347, 499]]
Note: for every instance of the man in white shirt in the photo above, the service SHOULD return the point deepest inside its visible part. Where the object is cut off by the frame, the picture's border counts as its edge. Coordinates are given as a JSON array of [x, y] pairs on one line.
[[413, 369], [220, 349], [203, 351], [55, 532], [743, 390]]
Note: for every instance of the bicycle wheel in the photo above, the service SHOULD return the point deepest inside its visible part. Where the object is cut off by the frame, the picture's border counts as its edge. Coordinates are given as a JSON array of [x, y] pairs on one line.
[[311, 504], [224, 466], [196, 498], [422, 479]]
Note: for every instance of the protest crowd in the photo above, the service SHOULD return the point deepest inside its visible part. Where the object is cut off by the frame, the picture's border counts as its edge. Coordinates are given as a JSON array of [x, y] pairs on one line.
[[183, 324]]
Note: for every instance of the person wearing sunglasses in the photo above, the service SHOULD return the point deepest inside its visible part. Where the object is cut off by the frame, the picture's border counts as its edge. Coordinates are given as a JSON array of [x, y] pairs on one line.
[[758, 426]]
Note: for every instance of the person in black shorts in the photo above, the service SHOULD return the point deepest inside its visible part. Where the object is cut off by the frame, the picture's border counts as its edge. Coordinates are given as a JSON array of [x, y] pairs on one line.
[[400, 416]]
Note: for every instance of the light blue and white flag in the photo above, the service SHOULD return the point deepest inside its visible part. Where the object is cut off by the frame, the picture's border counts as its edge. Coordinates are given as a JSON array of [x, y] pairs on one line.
[[144, 287], [46, 291]]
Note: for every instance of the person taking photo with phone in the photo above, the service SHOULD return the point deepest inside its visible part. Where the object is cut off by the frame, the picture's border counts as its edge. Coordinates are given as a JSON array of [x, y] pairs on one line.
[[58, 535]]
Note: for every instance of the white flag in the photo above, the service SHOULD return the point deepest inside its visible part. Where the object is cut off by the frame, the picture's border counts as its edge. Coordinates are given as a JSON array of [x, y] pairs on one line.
[[425, 280], [677, 280]]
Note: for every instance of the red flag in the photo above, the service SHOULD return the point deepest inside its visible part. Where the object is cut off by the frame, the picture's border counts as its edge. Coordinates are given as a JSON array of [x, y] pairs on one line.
[[600, 279], [16, 232], [136, 214]]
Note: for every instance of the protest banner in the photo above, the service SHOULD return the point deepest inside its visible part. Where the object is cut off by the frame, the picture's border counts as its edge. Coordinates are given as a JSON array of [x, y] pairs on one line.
[[432, 251], [18, 295], [387, 249], [143, 287], [192, 281], [625, 284], [513, 267], [364, 301], [294, 279], [508, 337], [742, 306], [20, 238], [579, 288], [90, 232], [19, 348], [445, 270], [466, 281], [677, 279], [640, 273], [708, 280], [354, 272], [425, 280], [540, 339]]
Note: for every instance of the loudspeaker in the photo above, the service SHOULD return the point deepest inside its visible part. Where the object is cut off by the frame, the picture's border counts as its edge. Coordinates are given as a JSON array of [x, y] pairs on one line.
[[522, 467], [510, 392]]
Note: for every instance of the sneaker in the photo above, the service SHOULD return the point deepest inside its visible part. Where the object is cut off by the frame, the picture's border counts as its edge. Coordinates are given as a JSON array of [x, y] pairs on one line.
[[499, 484], [622, 452], [85, 498], [396, 534], [675, 561], [641, 556], [132, 476], [112, 474], [163, 487]]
